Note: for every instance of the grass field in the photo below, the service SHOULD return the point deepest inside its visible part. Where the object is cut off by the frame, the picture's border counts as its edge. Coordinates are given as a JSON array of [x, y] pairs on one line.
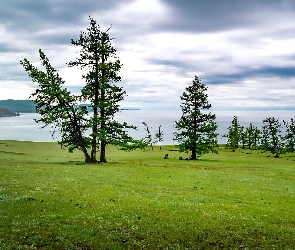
[[49, 199]]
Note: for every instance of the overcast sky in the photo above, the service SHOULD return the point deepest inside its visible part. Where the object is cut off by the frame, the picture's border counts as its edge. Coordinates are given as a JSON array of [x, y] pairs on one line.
[[244, 51]]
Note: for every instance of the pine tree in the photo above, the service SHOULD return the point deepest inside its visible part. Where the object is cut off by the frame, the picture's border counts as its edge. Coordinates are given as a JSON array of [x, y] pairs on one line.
[[256, 137], [58, 107], [148, 139], [234, 134], [272, 136], [159, 136], [243, 137], [197, 129], [290, 135], [250, 135]]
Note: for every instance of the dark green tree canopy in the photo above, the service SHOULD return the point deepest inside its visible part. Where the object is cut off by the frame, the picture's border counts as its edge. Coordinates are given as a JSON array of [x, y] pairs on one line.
[[196, 128]]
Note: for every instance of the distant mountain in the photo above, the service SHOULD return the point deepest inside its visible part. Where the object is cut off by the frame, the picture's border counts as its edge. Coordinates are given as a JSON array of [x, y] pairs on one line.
[[7, 113], [20, 106]]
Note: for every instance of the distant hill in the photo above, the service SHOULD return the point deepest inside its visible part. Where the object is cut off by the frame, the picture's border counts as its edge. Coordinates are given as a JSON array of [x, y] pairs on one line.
[[28, 106], [7, 113], [20, 106]]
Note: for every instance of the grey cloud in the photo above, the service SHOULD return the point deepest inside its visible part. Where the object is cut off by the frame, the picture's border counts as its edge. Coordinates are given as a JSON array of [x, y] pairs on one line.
[[4, 47], [50, 24], [36, 13], [246, 74], [170, 63], [283, 72], [58, 39], [213, 15]]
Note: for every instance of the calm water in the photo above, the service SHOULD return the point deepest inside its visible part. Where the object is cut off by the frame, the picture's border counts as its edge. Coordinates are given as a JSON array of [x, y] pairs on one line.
[[23, 127]]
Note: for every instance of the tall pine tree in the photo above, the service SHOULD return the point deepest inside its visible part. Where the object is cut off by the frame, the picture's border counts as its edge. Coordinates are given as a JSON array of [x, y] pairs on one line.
[[196, 128]]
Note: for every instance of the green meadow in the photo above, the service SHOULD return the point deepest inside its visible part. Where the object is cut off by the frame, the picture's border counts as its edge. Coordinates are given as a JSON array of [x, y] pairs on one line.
[[49, 199]]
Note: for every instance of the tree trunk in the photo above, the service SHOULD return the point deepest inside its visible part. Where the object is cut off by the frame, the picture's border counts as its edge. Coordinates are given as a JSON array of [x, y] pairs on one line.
[[95, 114], [87, 158], [103, 152], [194, 150], [194, 153], [274, 142], [79, 134], [94, 136], [102, 116]]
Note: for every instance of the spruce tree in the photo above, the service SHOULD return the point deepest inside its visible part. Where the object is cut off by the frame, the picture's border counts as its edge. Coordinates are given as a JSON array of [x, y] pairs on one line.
[[196, 128]]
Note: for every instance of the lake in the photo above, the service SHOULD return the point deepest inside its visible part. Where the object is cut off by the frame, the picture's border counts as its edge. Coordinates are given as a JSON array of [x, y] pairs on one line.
[[24, 128]]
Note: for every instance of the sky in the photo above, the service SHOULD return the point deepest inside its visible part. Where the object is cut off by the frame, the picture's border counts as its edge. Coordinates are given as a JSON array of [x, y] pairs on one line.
[[244, 51]]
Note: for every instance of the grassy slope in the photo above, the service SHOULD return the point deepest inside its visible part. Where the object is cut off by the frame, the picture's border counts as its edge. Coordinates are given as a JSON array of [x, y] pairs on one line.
[[50, 200]]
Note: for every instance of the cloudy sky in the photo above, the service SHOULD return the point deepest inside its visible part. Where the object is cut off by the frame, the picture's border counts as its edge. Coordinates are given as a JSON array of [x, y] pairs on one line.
[[244, 51]]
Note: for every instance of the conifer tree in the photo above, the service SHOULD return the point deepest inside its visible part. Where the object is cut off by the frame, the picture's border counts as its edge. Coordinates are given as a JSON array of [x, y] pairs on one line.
[[290, 135], [99, 57], [243, 137], [250, 135], [234, 134], [196, 128], [148, 139], [272, 136], [159, 136], [58, 107], [256, 137]]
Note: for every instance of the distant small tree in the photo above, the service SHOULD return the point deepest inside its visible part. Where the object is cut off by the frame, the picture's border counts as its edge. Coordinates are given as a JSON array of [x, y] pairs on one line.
[[264, 140], [234, 134], [196, 129], [272, 136], [290, 135], [243, 137], [252, 136], [148, 139], [256, 137], [249, 135], [159, 136]]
